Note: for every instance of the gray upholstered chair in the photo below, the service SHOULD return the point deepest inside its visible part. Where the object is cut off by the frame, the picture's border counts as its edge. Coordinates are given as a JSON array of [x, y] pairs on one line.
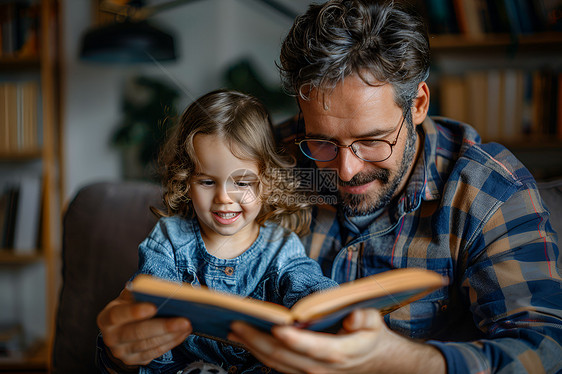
[[102, 228]]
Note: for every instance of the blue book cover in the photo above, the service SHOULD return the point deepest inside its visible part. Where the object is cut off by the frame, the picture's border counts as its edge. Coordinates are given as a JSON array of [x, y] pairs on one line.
[[211, 313]]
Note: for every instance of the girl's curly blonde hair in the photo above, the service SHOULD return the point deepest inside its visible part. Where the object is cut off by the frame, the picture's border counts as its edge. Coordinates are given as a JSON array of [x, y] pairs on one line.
[[244, 123]]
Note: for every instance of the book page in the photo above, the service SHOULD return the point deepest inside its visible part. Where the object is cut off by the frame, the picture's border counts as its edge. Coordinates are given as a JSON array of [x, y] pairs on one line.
[[384, 290]]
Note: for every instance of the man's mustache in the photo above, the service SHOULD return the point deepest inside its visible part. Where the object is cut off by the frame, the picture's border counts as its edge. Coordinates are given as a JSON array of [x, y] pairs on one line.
[[360, 179]]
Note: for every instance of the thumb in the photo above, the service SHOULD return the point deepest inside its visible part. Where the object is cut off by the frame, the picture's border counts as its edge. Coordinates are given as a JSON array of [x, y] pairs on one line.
[[363, 319]]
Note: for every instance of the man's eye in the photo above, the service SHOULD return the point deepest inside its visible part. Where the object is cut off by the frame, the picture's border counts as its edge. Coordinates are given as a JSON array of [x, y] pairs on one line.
[[370, 143]]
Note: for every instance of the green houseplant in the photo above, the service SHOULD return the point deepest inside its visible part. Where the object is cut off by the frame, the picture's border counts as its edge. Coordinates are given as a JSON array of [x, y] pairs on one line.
[[149, 111]]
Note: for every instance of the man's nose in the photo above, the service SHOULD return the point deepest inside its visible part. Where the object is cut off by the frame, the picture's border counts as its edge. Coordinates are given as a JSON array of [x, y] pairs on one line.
[[348, 165]]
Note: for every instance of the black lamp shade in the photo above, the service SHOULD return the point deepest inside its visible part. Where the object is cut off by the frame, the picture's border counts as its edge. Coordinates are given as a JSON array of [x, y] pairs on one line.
[[127, 42]]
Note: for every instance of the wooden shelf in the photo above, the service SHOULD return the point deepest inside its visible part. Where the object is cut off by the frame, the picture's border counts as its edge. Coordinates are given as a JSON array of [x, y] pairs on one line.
[[27, 155], [35, 360], [19, 63], [39, 158], [10, 257]]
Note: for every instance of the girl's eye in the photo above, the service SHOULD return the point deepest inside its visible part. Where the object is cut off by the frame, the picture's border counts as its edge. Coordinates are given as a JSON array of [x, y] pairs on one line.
[[206, 182], [243, 184]]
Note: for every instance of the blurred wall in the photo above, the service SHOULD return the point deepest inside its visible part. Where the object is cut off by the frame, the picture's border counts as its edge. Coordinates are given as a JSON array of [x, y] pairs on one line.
[[210, 35]]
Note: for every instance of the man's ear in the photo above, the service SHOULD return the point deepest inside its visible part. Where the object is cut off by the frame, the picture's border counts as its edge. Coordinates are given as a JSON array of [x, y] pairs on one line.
[[420, 106]]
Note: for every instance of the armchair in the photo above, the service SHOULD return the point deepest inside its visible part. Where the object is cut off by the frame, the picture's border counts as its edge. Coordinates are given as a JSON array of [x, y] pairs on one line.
[[102, 229]]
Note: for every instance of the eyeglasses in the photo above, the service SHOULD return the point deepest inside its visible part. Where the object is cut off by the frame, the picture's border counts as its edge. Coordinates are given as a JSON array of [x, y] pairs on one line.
[[371, 150]]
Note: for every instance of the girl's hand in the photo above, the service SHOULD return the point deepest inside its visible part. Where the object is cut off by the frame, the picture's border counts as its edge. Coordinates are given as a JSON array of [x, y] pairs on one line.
[[133, 337]]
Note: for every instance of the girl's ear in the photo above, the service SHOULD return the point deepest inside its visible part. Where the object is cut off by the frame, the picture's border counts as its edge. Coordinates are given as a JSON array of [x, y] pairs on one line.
[[420, 106]]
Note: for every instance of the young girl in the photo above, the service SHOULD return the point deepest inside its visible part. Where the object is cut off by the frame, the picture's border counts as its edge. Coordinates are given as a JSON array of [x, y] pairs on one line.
[[228, 218]]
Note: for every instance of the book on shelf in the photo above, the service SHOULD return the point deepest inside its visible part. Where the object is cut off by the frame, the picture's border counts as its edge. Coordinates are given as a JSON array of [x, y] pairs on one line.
[[494, 104], [10, 195], [26, 229], [513, 96], [20, 208], [470, 17], [550, 11], [453, 97], [19, 22], [211, 312], [505, 104], [440, 15], [477, 101], [476, 18], [19, 120], [11, 342]]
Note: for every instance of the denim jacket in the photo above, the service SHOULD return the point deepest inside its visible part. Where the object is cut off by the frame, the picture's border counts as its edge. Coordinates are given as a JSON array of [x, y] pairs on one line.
[[275, 268]]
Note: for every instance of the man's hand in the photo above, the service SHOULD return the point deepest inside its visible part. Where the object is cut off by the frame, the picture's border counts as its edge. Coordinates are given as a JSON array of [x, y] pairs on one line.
[[133, 336], [365, 345]]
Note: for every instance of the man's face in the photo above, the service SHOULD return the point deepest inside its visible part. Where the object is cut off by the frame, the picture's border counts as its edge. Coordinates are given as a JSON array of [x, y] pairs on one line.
[[352, 111]]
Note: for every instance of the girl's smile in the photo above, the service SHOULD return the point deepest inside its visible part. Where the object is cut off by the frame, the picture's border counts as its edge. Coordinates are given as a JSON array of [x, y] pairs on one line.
[[226, 218]]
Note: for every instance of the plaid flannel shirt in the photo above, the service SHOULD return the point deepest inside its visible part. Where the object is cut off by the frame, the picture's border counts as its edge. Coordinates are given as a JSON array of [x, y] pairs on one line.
[[471, 212]]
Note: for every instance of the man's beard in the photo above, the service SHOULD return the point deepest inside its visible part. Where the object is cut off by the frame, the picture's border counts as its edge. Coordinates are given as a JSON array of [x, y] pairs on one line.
[[365, 204]]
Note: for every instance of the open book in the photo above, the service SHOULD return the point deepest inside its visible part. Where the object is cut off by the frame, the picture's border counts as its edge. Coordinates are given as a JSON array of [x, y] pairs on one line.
[[212, 312]]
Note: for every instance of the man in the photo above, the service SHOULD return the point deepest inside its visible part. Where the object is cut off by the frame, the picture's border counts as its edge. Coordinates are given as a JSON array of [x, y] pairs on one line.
[[414, 192]]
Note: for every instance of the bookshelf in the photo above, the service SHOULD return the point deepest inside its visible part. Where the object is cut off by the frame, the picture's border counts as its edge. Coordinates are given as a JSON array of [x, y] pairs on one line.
[[29, 181], [497, 65]]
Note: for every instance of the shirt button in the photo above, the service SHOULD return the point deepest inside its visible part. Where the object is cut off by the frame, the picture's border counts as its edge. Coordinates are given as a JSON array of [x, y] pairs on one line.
[[229, 270]]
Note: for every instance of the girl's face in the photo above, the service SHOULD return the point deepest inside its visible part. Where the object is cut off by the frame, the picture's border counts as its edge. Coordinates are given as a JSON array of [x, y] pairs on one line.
[[225, 193]]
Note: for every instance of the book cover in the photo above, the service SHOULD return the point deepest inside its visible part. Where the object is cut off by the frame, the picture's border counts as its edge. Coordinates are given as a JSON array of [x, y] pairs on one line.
[[211, 313]]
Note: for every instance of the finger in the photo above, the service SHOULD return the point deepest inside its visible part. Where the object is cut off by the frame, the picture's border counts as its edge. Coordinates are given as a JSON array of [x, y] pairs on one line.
[[126, 295], [120, 312], [363, 319], [155, 328], [144, 351], [306, 343], [263, 346], [361, 330]]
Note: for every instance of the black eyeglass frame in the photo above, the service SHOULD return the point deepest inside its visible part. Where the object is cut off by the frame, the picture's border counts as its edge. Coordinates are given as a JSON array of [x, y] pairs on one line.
[[391, 144]]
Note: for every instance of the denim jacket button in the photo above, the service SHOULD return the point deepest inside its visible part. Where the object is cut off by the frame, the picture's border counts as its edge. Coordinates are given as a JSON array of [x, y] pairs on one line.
[[265, 370], [229, 270], [232, 370]]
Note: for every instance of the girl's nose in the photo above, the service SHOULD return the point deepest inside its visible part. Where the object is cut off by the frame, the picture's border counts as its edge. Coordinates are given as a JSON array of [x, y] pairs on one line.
[[222, 196]]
